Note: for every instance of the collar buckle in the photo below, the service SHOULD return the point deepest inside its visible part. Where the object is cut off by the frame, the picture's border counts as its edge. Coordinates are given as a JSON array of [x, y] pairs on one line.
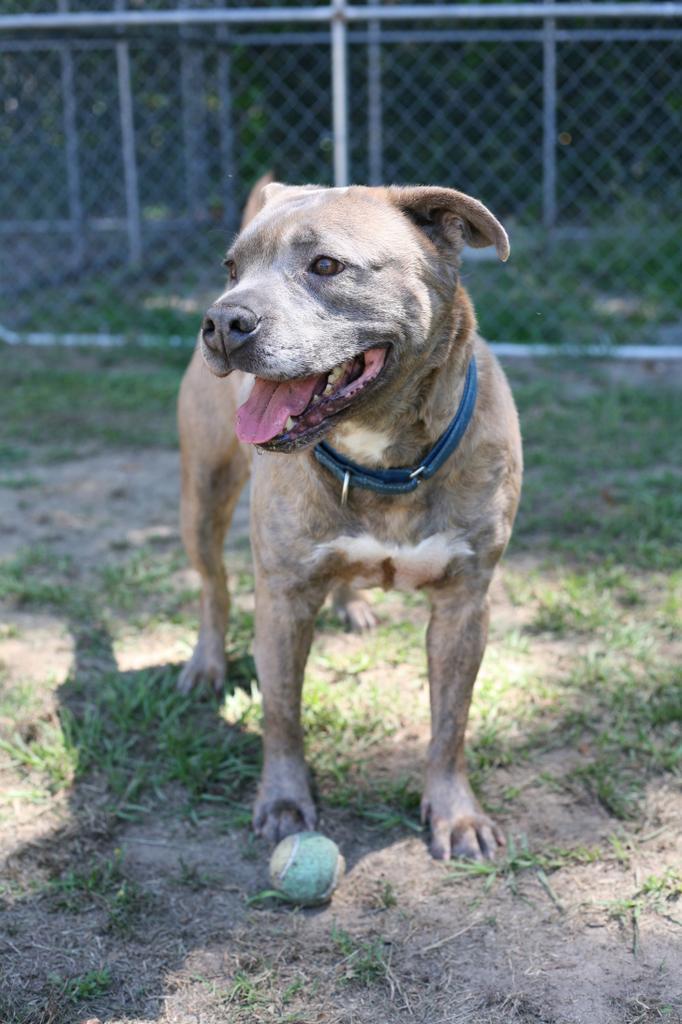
[[417, 472]]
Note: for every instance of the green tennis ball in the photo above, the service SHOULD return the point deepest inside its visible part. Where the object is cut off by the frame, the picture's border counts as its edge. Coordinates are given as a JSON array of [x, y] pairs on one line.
[[306, 868]]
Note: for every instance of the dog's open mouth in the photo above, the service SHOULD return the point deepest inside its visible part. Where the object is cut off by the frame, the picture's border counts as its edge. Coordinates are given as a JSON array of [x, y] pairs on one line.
[[291, 412]]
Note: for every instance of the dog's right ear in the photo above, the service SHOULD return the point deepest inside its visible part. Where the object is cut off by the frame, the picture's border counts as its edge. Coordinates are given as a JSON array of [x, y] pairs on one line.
[[257, 198]]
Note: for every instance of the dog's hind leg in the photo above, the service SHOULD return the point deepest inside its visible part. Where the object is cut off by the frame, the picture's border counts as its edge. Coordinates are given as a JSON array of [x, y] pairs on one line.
[[214, 470], [351, 607]]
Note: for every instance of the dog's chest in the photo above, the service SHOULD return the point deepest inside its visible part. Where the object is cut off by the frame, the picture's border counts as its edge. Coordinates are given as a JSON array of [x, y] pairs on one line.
[[369, 562]]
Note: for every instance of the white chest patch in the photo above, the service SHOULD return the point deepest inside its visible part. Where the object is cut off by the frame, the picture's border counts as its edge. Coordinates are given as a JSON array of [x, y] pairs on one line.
[[361, 444], [374, 563]]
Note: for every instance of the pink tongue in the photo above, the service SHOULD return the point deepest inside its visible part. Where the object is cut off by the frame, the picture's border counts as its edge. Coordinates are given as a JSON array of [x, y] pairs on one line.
[[265, 412]]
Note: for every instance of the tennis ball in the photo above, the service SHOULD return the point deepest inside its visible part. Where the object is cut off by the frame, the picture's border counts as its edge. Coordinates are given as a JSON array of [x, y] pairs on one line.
[[306, 868]]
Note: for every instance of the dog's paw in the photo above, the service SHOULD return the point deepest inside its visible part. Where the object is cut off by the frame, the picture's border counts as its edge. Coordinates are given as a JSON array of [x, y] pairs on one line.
[[206, 667], [276, 819], [284, 803], [458, 827], [470, 836], [358, 616], [355, 613]]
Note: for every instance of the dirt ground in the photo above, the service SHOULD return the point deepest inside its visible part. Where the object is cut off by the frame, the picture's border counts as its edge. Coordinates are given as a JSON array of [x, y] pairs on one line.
[[140, 909]]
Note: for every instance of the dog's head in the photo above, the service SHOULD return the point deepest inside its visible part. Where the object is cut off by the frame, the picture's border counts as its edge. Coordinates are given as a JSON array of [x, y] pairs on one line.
[[335, 298]]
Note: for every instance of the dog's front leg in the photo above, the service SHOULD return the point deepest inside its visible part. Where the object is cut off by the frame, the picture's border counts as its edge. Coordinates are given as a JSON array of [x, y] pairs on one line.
[[456, 640], [285, 617]]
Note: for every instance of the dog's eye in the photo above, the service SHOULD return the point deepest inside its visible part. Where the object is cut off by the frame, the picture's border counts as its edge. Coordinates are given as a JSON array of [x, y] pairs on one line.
[[231, 269], [326, 266]]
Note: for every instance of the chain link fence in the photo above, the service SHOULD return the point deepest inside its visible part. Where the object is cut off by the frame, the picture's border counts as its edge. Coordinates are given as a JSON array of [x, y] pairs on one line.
[[127, 149]]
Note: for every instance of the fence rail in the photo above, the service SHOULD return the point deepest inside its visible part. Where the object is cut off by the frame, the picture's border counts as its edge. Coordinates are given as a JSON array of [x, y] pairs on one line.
[[340, 10], [129, 138]]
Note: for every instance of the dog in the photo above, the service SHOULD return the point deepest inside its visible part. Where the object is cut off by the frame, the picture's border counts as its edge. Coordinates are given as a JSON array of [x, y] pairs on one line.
[[344, 350]]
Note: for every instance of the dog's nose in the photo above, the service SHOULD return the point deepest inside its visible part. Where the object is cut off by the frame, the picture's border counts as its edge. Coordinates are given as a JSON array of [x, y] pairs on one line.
[[225, 328]]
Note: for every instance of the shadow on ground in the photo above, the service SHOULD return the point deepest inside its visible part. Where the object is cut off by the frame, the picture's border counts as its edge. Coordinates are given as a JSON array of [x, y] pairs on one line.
[[141, 911]]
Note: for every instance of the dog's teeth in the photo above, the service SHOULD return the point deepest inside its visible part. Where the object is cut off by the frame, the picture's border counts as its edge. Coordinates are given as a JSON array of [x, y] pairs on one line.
[[334, 375], [289, 423], [328, 390]]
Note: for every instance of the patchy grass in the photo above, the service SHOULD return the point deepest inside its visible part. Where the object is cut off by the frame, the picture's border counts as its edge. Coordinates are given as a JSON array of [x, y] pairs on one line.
[[101, 885], [574, 730], [86, 986], [12, 455], [19, 482], [144, 588], [658, 894], [602, 469], [579, 293], [48, 751], [140, 735], [34, 576], [260, 993], [363, 962], [62, 400], [518, 859]]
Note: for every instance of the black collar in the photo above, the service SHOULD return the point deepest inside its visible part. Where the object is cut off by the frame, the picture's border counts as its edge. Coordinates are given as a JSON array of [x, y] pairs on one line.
[[401, 481]]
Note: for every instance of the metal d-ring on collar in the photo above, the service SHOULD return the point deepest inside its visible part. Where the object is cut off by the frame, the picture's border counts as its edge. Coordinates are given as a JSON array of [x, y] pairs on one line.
[[401, 481]]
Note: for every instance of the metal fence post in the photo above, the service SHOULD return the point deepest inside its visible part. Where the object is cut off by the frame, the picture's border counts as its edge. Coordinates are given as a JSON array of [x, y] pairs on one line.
[[374, 105], [549, 125], [193, 110], [340, 92], [225, 126], [125, 98], [73, 176]]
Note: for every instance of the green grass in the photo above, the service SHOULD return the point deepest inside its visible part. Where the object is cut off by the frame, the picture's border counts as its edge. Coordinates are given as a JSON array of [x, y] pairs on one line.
[[641, 739], [124, 303], [97, 880], [59, 400], [50, 752], [12, 455], [658, 894], [18, 701], [34, 576], [142, 588], [363, 962], [101, 885], [580, 292], [83, 986], [19, 482], [519, 859], [600, 480], [141, 735], [260, 994], [616, 701]]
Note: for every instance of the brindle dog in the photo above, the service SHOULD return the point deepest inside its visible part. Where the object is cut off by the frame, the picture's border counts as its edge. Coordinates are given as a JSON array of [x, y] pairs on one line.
[[344, 318]]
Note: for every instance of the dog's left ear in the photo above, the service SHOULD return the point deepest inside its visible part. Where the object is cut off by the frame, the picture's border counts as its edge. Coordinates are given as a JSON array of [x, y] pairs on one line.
[[449, 217], [256, 201]]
